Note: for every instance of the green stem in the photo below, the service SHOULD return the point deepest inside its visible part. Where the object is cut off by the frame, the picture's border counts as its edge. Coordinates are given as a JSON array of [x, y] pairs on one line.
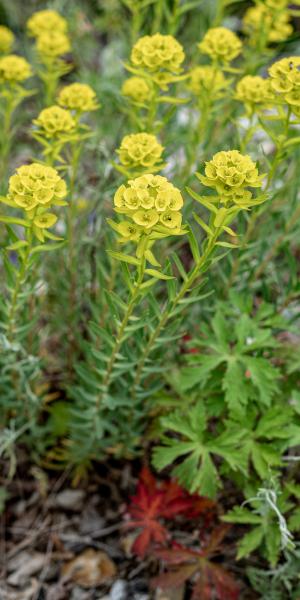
[[254, 217], [71, 223], [158, 14], [50, 78], [121, 330], [167, 312], [20, 280], [6, 139], [174, 18], [152, 110]]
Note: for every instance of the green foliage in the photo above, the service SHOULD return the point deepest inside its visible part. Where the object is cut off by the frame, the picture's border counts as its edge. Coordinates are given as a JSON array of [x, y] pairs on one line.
[[186, 339], [270, 530]]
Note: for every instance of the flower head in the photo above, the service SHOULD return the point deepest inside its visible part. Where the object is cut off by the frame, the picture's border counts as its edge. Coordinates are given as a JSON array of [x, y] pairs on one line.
[[36, 186], [54, 121], [263, 20], [78, 96], [230, 173], [206, 78], [285, 81], [253, 90], [151, 201], [140, 150], [46, 21], [220, 44], [157, 52], [52, 44], [137, 89], [14, 69], [6, 39]]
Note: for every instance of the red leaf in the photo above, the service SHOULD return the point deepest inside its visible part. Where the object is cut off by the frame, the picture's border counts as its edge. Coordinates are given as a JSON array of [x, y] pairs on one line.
[[157, 501], [213, 544], [213, 581], [174, 578], [221, 583]]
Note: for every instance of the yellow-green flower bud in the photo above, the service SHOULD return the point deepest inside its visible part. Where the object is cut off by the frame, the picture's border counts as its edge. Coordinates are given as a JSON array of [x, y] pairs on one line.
[[36, 185], [220, 44], [230, 173], [205, 79], [146, 218], [129, 231], [263, 21], [51, 45], [140, 150], [137, 89], [79, 97], [54, 121], [6, 39], [14, 69], [46, 21], [157, 52], [45, 220], [285, 80], [150, 201], [253, 90]]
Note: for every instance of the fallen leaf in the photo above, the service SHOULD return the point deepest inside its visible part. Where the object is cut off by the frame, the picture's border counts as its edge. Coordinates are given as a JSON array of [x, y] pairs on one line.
[[90, 568]]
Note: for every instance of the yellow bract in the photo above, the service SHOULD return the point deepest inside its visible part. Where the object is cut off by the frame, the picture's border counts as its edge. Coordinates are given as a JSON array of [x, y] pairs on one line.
[[54, 121], [205, 79], [220, 44], [253, 89], [137, 89], [36, 186], [285, 81], [157, 52], [45, 21], [262, 21], [6, 39], [79, 97], [14, 69], [230, 173], [152, 202], [140, 150], [51, 45]]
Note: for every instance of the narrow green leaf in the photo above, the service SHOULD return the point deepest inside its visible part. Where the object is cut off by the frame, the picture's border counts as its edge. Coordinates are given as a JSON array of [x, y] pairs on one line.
[[124, 258], [158, 274]]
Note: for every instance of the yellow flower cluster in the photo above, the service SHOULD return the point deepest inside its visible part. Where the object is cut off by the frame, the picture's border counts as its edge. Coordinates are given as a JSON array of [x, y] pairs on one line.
[[285, 81], [140, 150], [230, 173], [253, 90], [52, 45], [137, 89], [14, 69], [46, 21], [6, 39], [205, 79], [156, 52], [35, 188], [152, 203], [79, 97], [265, 22], [220, 44], [55, 121]]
